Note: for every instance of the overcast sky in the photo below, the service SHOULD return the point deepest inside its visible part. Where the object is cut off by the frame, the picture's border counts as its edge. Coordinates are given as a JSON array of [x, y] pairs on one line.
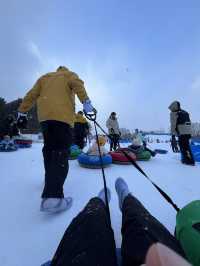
[[135, 56]]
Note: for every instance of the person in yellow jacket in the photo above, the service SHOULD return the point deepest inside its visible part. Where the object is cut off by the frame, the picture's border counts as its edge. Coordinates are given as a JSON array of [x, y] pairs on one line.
[[54, 94], [81, 130]]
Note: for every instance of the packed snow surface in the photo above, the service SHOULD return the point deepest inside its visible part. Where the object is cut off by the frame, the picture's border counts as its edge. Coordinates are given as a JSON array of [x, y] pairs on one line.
[[29, 237]]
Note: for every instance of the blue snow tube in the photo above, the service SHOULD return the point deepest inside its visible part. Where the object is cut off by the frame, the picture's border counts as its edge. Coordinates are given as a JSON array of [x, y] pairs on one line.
[[8, 148], [93, 161], [196, 152]]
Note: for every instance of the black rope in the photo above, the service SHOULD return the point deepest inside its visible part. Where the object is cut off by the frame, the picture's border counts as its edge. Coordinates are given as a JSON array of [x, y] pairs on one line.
[[164, 194], [167, 198], [102, 130], [92, 117]]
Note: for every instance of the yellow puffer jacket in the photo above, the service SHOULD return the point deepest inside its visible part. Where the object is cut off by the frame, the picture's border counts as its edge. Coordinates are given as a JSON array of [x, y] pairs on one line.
[[54, 94], [80, 119]]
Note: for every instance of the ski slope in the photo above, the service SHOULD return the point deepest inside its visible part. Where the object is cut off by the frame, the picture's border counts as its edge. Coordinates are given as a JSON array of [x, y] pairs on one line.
[[29, 237]]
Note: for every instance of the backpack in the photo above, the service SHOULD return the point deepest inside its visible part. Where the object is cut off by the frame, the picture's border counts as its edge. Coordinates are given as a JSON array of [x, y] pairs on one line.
[[183, 118]]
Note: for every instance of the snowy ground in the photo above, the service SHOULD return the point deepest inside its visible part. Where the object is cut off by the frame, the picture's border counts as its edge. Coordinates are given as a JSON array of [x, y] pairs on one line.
[[29, 237]]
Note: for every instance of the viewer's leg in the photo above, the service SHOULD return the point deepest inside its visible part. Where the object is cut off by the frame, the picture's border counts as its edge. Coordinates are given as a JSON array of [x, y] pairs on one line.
[[89, 239], [140, 229]]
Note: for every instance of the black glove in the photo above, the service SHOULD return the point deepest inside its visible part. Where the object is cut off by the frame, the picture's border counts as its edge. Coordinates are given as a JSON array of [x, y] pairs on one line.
[[173, 138], [22, 120]]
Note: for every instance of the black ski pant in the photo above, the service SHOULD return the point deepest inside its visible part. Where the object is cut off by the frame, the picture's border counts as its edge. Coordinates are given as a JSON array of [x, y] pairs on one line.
[[89, 239], [186, 153], [114, 141], [79, 140], [174, 146], [57, 141]]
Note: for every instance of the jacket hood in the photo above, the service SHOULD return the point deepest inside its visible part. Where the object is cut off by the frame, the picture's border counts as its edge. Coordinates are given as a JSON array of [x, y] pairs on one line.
[[175, 106]]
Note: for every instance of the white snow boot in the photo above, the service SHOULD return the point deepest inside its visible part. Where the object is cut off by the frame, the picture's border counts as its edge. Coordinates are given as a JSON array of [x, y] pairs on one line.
[[122, 190], [55, 205], [102, 196]]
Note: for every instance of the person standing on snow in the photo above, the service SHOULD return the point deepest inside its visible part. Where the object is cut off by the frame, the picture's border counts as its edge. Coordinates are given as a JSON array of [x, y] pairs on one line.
[[138, 134], [81, 130], [181, 127], [114, 132], [54, 94]]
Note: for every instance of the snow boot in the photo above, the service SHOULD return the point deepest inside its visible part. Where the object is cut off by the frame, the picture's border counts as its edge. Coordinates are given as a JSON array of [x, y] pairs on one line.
[[122, 190], [101, 195], [55, 205]]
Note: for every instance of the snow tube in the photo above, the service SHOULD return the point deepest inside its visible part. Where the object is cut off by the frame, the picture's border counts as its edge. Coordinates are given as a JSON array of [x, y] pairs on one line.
[[8, 147], [75, 151], [119, 158], [196, 152], [92, 161], [161, 151], [143, 156], [23, 143], [188, 231]]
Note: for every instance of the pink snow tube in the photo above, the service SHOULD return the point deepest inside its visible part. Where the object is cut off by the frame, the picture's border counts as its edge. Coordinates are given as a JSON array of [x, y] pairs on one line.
[[119, 158]]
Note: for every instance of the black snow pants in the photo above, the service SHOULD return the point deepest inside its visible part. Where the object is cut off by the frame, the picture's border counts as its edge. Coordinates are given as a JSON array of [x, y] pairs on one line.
[[79, 140], [89, 239], [186, 153], [57, 141], [114, 141]]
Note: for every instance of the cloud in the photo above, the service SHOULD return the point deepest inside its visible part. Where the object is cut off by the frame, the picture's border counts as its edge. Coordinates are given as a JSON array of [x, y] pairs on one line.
[[34, 50], [196, 85]]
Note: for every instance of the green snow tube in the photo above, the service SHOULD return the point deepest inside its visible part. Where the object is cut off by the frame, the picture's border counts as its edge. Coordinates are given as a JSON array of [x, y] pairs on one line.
[[143, 156], [75, 151], [188, 231]]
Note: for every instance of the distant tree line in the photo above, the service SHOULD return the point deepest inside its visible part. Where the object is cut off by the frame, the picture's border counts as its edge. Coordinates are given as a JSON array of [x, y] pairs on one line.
[[10, 108]]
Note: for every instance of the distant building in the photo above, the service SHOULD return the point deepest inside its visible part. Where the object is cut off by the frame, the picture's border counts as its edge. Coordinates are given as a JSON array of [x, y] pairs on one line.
[[196, 129]]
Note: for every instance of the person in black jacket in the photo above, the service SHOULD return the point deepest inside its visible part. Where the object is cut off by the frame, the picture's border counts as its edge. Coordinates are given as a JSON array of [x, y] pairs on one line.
[[89, 239], [181, 127], [81, 130]]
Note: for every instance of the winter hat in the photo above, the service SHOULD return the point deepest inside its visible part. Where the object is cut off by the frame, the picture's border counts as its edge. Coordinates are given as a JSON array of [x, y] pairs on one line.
[[102, 140], [175, 106]]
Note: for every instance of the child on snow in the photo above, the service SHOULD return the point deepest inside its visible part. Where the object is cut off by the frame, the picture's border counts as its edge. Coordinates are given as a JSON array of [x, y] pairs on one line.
[[138, 146], [94, 150]]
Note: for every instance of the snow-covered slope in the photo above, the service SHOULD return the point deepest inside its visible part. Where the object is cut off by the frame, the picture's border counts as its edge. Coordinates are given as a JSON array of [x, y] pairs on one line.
[[29, 237]]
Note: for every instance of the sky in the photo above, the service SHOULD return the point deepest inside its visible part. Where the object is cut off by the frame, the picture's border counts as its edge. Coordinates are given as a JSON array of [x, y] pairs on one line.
[[135, 56]]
